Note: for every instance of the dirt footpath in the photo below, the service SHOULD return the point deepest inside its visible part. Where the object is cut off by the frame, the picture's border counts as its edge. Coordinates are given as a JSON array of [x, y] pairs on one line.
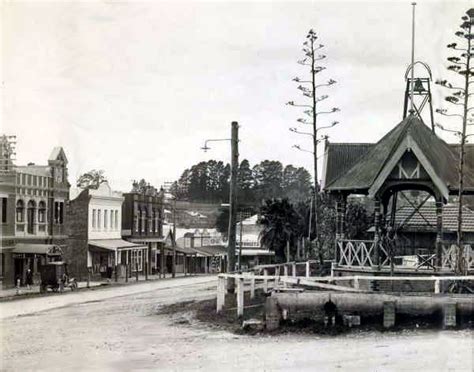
[[129, 333]]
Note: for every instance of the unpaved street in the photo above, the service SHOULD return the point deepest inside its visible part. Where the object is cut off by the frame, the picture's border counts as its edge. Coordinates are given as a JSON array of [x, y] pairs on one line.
[[119, 329]]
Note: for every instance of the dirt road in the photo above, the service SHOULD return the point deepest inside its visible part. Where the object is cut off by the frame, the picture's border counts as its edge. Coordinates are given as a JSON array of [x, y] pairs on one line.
[[119, 329]]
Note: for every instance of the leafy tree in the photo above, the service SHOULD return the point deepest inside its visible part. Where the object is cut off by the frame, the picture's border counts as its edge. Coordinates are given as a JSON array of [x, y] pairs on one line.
[[296, 183], [222, 221], [268, 177], [91, 179], [245, 183]]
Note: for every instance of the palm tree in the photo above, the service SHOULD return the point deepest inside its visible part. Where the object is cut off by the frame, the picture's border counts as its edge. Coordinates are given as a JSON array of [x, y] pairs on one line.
[[280, 226]]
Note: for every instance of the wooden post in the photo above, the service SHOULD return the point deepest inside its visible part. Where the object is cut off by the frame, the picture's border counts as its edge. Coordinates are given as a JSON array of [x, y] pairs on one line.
[[285, 270], [136, 271], [184, 263], [126, 272], [220, 293], [377, 232], [293, 269], [439, 233], [240, 297], [265, 281], [116, 273], [162, 260], [234, 165], [437, 287], [146, 271], [252, 286], [356, 282], [308, 272], [287, 251]]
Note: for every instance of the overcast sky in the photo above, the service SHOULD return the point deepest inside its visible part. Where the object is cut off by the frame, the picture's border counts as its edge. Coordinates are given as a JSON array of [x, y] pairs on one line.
[[135, 88]]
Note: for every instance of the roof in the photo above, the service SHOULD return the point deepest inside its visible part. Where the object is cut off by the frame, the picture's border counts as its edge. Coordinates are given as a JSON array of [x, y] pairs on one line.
[[214, 250], [113, 244], [35, 170], [49, 249], [357, 166], [56, 153], [428, 211]]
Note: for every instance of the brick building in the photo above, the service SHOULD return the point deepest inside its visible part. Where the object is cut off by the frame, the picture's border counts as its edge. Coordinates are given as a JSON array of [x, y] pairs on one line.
[[33, 199], [94, 227], [142, 223]]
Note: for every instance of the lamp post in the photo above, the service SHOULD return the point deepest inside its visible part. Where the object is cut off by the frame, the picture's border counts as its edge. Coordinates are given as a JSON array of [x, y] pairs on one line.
[[234, 142]]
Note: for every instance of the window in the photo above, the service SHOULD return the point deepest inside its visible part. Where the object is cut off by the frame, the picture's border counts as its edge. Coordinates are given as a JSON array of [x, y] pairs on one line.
[[4, 210], [20, 210], [99, 218], [144, 216], [111, 219], [30, 217], [105, 219], [136, 258], [136, 222], [41, 212], [153, 221], [59, 213], [116, 220], [94, 218]]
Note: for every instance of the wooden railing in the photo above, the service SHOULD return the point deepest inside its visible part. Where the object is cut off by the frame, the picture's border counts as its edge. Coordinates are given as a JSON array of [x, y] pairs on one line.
[[250, 282], [450, 253], [361, 253]]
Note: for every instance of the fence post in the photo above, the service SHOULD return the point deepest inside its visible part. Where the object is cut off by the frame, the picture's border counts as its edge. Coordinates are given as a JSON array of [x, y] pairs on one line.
[[285, 270], [308, 273], [240, 297], [293, 269], [437, 287], [265, 281], [356, 282], [252, 286], [220, 293]]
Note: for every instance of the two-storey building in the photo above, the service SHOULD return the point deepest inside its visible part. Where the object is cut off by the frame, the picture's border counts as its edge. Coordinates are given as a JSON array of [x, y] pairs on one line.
[[33, 199], [142, 223], [95, 245]]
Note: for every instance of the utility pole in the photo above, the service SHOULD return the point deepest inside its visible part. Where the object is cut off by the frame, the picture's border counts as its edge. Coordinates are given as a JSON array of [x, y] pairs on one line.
[[174, 238], [234, 140], [234, 166]]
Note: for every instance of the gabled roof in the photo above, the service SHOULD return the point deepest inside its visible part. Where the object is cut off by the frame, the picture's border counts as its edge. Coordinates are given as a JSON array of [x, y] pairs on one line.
[[356, 167]]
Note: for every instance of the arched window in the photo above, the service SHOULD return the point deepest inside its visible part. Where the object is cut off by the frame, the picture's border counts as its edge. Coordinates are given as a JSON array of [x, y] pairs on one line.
[[140, 220], [31, 216], [41, 212], [20, 211], [144, 219]]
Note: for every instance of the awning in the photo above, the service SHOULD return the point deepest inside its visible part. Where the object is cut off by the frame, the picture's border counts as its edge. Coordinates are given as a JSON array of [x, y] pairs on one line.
[[148, 240], [114, 244], [211, 250], [49, 249], [255, 252]]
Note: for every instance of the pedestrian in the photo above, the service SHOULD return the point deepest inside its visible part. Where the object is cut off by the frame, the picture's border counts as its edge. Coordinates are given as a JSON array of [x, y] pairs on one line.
[[330, 312], [17, 284], [29, 279]]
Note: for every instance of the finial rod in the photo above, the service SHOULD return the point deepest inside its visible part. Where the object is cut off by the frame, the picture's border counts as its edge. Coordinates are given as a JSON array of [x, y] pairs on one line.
[[412, 85]]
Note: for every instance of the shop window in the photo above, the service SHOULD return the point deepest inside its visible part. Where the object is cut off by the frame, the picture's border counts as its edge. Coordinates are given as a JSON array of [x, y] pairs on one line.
[[136, 258], [41, 212], [20, 211]]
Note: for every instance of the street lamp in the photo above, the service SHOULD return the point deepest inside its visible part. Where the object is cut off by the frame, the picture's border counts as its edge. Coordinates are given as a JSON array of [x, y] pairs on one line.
[[234, 164]]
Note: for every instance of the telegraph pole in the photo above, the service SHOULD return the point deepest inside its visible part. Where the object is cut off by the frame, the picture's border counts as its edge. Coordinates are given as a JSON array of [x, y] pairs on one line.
[[234, 140]]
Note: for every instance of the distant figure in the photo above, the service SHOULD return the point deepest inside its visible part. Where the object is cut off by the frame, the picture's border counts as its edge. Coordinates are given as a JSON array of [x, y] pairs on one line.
[[29, 279], [17, 284], [330, 310]]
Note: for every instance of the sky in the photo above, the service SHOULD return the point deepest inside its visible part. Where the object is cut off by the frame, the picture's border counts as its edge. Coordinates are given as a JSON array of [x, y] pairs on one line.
[[135, 88]]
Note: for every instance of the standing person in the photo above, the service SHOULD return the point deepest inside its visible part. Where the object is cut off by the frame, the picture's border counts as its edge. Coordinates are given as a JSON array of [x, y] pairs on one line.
[[29, 279]]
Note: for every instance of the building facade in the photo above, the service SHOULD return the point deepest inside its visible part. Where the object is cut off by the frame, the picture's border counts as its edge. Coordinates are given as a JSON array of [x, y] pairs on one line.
[[33, 200], [142, 223], [94, 225]]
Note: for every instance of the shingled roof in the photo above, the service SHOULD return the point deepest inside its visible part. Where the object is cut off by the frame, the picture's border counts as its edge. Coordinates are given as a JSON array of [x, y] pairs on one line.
[[356, 167]]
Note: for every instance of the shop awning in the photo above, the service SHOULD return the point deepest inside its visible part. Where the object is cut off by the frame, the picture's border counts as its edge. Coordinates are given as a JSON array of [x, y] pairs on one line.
[[114, 244], [255, 252], [211, 250], [148, 240], [49, 249]]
